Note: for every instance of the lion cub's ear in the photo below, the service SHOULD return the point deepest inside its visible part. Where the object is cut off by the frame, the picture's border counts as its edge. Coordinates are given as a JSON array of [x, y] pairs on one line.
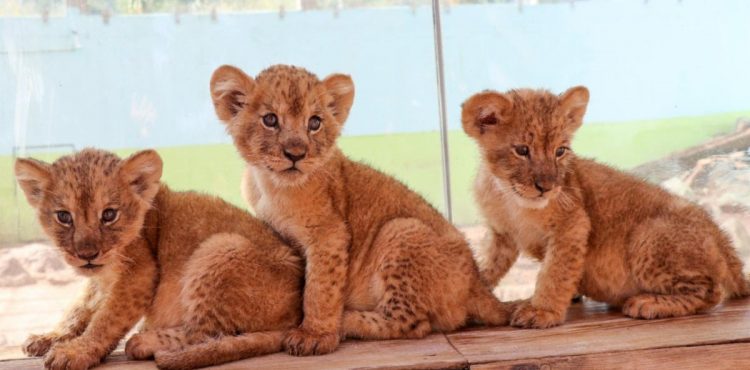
[[230, 89], [573, 103], [142, 173], [34, 178], [341, 88], [484, 111]]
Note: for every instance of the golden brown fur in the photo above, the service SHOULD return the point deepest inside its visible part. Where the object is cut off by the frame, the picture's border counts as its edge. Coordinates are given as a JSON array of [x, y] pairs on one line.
[[381, 262], [192, 265], [598, 231]]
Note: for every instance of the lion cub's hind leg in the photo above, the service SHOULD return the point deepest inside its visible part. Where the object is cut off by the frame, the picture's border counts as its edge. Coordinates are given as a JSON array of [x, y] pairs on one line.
[[397, 315], [401, 312], [427, 280], [677, 267], [239, 298]]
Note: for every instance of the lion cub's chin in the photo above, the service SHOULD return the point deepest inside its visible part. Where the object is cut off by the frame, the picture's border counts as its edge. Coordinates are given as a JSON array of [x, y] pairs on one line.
[[503, 187], [288, 178], [90, 272]]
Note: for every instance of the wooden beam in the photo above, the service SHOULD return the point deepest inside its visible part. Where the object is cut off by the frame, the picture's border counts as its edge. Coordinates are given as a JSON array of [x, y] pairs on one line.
[[602, 332], [433, 352], [721, 356]]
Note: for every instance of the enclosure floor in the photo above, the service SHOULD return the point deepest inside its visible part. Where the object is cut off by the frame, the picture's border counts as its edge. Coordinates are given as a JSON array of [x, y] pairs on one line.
[[594, 337]]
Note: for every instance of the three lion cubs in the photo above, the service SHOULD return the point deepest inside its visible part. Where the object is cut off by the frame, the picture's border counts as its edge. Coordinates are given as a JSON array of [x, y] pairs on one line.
[[216, 284]]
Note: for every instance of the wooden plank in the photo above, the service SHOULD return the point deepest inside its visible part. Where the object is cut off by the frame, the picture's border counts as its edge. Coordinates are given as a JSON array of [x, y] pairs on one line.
[[115, 361], [433, 352], [605, 332], [594, 337], [715, 357]]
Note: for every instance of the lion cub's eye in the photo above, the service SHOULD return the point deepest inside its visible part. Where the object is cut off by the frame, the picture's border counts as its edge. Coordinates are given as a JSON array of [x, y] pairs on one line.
[[270, 120], [109, 216], [560, 151], [522, 150], [64, 217], [314, 123]]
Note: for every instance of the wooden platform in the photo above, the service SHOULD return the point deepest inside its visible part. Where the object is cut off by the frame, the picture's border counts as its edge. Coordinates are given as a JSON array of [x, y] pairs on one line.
[[593, 338]]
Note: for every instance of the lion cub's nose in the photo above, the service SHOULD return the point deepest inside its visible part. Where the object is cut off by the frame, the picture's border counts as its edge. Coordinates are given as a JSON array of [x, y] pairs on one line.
[[543, 186], [87, 255], [294, 154]]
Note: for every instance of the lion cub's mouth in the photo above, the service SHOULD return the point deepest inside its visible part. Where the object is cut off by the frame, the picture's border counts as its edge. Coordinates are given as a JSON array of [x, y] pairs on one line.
[[90, 266], [292, 170]]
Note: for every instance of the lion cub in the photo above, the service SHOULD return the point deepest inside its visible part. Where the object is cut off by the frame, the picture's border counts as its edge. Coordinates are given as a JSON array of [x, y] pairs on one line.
[[598, 231], [381, 262], [193, 265]]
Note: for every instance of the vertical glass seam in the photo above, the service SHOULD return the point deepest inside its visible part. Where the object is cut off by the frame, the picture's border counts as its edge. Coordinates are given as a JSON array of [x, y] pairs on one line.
[[437, 32]]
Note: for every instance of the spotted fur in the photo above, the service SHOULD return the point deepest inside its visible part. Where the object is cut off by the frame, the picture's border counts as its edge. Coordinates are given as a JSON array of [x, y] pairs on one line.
[[194, 267], [598, 231], [380, 261]]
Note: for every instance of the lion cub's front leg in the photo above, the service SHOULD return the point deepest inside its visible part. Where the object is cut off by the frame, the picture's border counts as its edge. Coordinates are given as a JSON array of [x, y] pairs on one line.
[[326, 269], [496, 254], [124, 303], [558, 279], [76, 320]]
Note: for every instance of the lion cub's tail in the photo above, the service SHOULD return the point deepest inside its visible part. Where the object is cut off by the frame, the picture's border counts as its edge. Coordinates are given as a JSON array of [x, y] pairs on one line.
[[220, 350], [484, 308]]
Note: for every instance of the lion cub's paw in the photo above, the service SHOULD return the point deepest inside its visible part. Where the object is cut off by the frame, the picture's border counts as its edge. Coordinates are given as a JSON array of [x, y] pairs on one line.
[[649, 307], [301, 342], [72, 355], [528, 316], [169, 360], [142, 346], [39, 344]]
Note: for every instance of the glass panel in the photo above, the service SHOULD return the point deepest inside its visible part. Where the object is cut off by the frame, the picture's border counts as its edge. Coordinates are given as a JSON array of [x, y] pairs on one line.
[[666, 78], [125, 75]]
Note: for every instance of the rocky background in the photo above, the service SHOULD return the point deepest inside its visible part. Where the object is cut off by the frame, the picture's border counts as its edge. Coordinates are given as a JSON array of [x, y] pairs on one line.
[[715, 175]]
